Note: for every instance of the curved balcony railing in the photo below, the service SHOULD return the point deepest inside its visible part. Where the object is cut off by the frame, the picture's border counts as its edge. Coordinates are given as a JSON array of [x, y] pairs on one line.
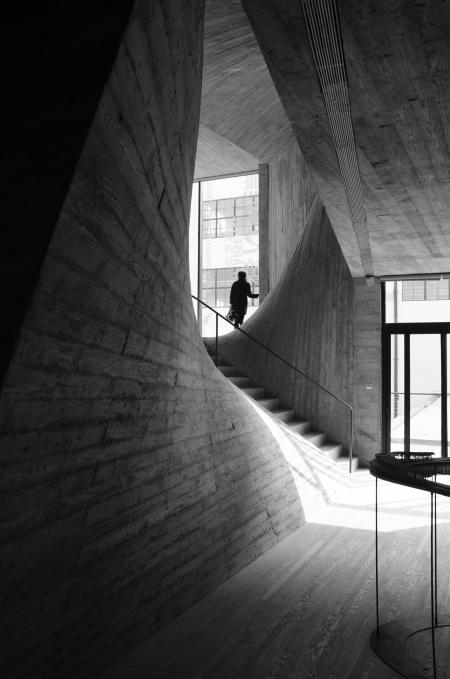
[[290, 365]]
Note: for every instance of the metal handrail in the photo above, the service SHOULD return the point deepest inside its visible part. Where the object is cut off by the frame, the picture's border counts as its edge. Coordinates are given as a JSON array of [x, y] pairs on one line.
[[330, 393]]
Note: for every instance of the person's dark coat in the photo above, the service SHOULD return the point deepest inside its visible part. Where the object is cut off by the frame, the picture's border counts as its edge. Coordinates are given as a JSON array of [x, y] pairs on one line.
[[240, 291]]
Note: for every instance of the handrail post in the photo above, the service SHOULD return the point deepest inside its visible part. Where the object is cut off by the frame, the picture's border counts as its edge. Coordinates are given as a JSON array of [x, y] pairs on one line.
[[217, 340], [350, 447]]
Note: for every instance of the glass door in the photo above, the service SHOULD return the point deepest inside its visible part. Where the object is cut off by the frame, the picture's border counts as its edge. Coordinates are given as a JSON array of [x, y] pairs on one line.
[[397, 393], [425, 398], [416, 405]]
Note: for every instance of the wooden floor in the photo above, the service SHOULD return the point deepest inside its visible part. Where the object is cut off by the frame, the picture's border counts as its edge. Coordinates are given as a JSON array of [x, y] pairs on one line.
[[306, 608]]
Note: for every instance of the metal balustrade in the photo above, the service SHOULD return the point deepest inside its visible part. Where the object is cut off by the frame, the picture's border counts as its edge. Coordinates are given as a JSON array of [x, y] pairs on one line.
[[290, 365]]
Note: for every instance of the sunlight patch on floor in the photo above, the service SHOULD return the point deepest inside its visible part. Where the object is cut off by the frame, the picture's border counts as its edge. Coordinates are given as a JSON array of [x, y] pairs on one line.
[[333, 497]]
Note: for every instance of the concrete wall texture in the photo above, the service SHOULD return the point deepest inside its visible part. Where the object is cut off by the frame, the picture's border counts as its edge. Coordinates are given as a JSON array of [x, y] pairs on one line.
[[367, 386], [135, 478], [291, 195]]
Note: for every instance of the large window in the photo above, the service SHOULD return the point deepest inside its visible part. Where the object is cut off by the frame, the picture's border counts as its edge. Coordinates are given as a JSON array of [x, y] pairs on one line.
[[421, 291], [230, 217], [224, 239], [216, 284], [417, 300], [416, 340]]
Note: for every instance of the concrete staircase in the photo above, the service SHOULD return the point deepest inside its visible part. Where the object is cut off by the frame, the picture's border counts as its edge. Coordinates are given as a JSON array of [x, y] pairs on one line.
[[288, 419]]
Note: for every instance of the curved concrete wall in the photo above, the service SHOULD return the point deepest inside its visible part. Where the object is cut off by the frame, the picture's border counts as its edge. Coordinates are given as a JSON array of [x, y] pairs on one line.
[[291, 195], [135, 477], [308, 319]]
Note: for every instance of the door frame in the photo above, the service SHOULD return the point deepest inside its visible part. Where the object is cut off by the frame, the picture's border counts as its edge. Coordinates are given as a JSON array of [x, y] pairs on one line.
[[408, 329]]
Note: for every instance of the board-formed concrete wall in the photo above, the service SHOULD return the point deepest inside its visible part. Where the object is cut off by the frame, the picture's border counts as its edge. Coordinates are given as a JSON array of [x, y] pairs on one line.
[[135, 478], [367, 369], [291, 195]]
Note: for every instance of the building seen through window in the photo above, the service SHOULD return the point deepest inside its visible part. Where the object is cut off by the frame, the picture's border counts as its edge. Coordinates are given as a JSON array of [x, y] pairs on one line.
[[404, 300], [216, 284], [230, 217], [425, 290]]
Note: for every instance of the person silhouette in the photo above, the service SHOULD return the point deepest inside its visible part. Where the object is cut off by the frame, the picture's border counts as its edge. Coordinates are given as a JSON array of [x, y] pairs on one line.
[[240, 291]]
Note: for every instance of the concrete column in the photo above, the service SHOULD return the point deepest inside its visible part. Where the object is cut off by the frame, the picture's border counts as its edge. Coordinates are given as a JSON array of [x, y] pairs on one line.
[[263, 231]]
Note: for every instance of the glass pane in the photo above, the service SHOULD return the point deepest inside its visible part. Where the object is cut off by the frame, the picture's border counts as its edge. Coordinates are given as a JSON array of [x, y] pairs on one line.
[[448, 394], [425, 376], [209, 209], [223, 298], [209, 278], [443, 289], [225, 277], [209, 228], [225, 227], [193, 242], [412, 291], [245, 226], [224, 252], [437, 290], [397, 393], [225, 208], [417, 301], [209, 296], [209, 324], [397, 422], [246, 206], [231, 187]]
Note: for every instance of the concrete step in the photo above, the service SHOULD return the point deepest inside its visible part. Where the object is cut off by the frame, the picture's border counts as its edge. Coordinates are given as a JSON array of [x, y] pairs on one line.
[[288, 418], [254, 392], [284, 414], [228, 370], [268, 403], [211, 350], [343, 462], [298, 425], [332, 449], [317, 438], [240, 381], [322, 461]]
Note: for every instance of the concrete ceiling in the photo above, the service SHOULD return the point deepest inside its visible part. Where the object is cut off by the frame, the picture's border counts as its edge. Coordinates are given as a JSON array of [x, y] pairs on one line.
[[239, 100], [216, 155], [397, 57]]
